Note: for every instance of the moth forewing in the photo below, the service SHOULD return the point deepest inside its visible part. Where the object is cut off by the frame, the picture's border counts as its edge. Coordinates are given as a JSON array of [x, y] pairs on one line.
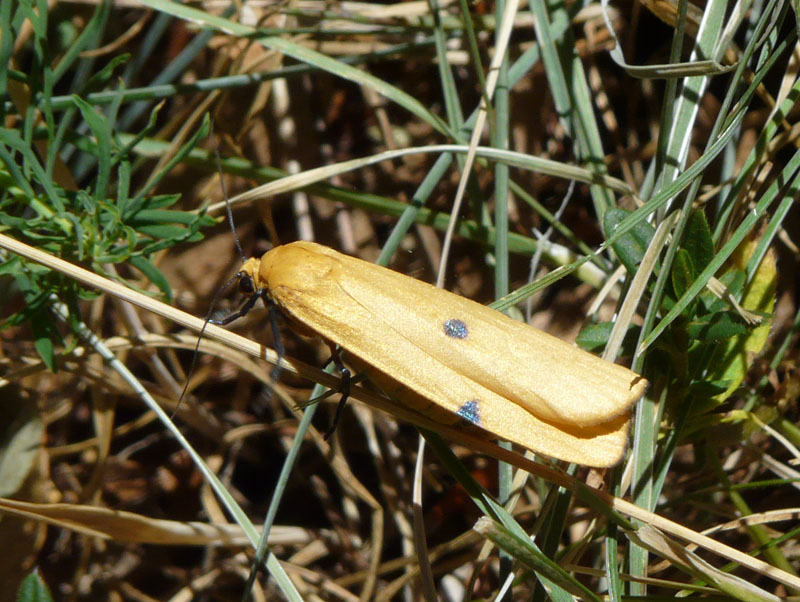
[[601, 446], [551, 378], [445, 354]]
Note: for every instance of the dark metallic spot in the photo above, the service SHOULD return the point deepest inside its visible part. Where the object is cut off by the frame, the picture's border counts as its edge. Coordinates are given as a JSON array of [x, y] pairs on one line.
[[470, 411], [455, 328]]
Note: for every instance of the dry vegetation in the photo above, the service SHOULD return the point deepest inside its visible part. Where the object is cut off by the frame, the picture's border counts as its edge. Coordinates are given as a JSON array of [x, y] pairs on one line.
[[109, 506]]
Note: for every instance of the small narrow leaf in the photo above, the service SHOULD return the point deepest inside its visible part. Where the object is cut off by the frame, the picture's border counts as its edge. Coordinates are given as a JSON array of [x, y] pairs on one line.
[[632, 246], [153, 274], [683, 273], [697, 241]]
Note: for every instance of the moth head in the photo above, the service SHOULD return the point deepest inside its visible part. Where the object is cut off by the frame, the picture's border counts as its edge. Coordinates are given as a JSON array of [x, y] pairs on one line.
[[248, 277]]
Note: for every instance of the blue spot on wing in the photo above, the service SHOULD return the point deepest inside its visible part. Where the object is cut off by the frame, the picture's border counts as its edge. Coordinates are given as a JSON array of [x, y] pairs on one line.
[[470, 412], [455, 328]]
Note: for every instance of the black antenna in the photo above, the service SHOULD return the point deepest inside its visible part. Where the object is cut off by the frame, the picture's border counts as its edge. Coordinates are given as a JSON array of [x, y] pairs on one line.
[[228, 209], [206, 320], [225, 287]]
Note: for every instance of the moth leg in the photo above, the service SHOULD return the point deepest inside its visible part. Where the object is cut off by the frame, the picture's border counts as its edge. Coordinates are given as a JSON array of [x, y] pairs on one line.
[[345, 374], [277, 342], [273, 317], [243, 311]]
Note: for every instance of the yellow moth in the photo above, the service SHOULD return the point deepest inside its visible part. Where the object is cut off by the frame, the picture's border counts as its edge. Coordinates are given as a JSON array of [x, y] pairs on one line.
[[450, 358]]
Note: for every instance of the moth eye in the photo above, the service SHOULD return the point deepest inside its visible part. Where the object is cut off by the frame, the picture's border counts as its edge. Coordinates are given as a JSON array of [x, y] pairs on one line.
[[455, 328], [246, 285], [470, 411]]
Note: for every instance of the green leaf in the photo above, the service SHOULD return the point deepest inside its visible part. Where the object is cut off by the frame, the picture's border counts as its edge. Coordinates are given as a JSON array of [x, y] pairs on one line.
[[703, 389], [702, 394], [102, 134], [683, 273], [34, 589], [98, 80], [522, 549], [630, 247], [45, 332], [594, 337], [10, 266], [733, 359], [158, 201], [161, 216], [153, 274], [166, 231], [716, 327], [697, 240], [12, 139]]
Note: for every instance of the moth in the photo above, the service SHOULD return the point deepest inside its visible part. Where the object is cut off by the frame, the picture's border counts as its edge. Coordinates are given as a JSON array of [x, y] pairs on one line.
[[448, 357]]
